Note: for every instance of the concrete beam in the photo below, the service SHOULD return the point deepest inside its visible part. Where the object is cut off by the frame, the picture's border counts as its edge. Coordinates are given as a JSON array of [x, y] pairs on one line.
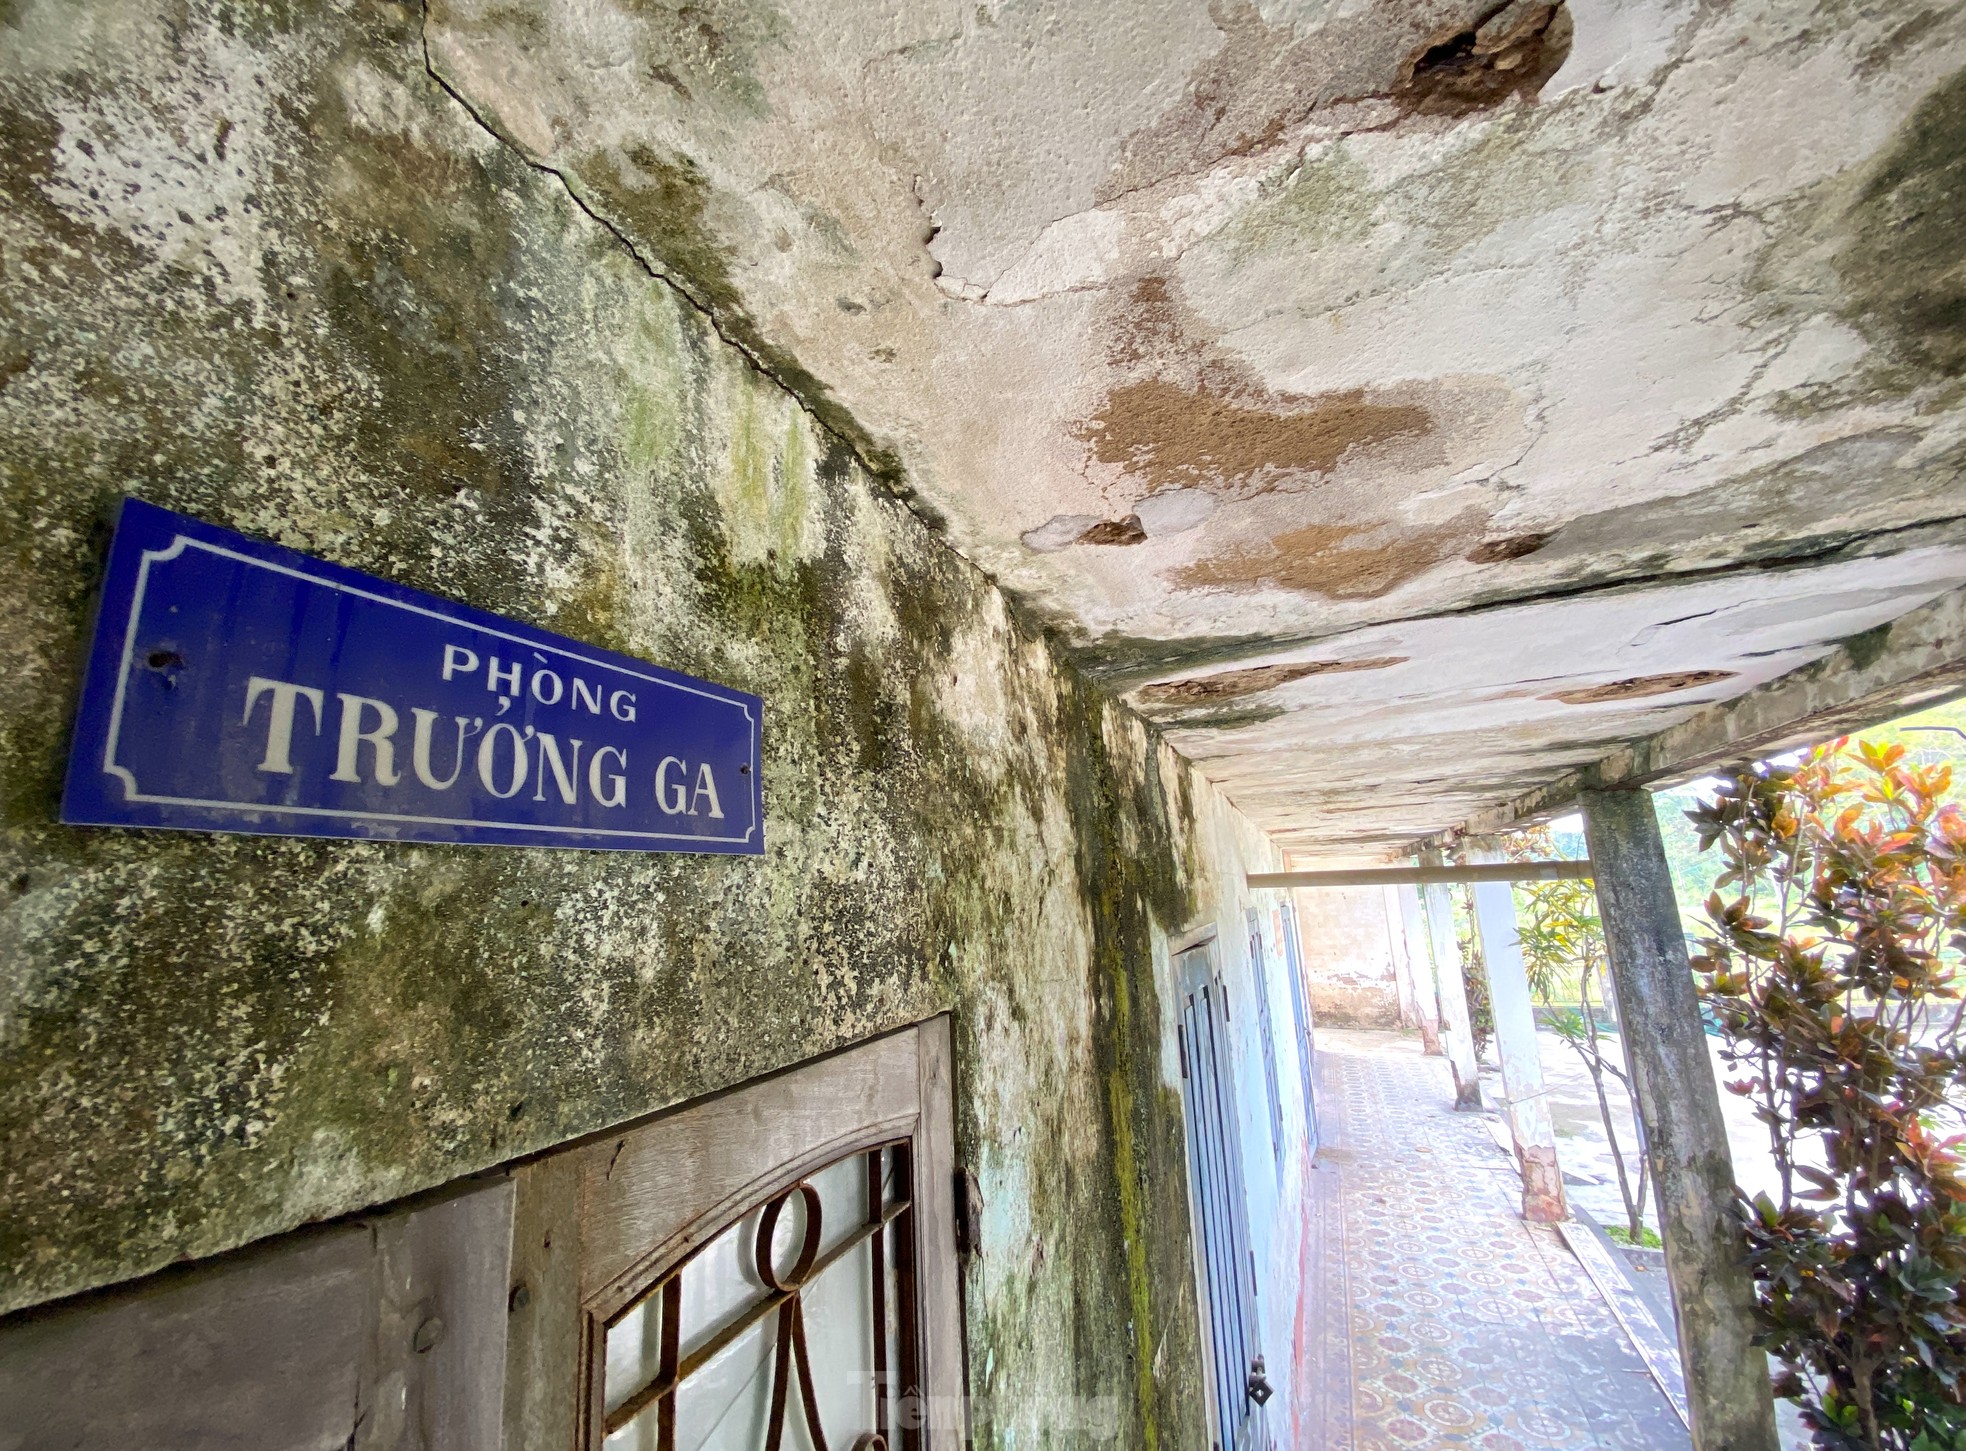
[[1919, 659], [1530, 1127], [1421, 876], [1457, 1028], [1403, 906], [1685, 1137], [1403, 973]]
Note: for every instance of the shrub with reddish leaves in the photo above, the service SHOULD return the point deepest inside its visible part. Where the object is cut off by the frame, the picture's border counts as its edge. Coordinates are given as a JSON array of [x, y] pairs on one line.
[[1830, 964]]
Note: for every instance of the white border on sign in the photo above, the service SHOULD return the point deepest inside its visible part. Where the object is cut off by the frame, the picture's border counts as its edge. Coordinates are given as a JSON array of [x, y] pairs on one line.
[[178, 545]]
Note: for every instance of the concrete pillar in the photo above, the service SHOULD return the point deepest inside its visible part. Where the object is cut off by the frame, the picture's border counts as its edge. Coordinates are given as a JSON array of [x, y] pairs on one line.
[[1402, 960], [1686, 1139], [1457, 1032], [1515, 1045], [1420, 961]]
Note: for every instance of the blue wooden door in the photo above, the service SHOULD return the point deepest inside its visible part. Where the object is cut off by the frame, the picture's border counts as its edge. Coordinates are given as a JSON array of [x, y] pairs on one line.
[[1300, 1009], [1259, 970], [1215, 1169]]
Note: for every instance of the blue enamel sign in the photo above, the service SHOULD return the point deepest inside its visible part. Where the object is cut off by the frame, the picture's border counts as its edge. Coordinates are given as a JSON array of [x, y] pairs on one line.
[[238, 686]]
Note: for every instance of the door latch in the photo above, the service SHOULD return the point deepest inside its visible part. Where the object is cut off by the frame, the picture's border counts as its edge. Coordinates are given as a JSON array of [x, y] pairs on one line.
[[969, 1214], [1258, 1387]]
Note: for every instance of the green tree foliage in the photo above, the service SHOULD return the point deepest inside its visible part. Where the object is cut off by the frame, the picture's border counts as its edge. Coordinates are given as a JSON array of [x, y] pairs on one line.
[[1829, 961], [1932, 737], [1555, 921], [1563, 952]]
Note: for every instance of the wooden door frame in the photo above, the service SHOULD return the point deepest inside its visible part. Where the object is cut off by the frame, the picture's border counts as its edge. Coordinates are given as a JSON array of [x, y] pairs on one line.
[[598, 1219]]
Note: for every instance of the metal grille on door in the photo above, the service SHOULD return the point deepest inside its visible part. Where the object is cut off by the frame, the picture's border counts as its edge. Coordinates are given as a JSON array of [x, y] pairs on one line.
[[793, 1327]]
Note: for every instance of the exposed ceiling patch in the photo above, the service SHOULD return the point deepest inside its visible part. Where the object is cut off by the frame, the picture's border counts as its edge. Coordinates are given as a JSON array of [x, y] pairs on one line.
[[1228, 684], [1513, 546], [1638, 687], [1115, 531], [1060, 531], [1268, 80], [1174, 511], [1512, 52]]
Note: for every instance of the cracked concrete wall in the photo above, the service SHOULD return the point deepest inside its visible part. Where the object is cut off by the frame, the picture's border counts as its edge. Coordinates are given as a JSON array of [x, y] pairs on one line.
[[1240, 335], [257, 264]]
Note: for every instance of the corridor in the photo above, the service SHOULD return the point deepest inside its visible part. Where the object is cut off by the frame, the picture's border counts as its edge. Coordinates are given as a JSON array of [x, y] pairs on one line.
[[1436, 1316], [700, 699]]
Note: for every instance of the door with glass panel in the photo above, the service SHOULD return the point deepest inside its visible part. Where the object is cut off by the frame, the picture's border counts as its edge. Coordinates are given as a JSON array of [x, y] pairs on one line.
[[772, 1270]]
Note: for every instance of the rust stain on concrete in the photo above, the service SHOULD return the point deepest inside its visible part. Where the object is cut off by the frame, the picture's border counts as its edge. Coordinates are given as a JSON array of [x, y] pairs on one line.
[[1338, 560], [1229, 684], [1155, 329]]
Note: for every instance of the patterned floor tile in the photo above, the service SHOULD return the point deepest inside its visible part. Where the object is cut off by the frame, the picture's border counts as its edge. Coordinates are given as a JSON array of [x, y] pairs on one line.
[[1438, 1317]]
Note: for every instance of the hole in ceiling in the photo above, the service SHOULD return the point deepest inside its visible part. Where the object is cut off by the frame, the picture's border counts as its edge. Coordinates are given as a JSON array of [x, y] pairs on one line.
[[1516, 48]]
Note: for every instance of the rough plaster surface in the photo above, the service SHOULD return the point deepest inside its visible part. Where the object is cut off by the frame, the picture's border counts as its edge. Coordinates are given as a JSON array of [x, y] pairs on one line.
[[261, 267], [1349, 972], [1212, 330]]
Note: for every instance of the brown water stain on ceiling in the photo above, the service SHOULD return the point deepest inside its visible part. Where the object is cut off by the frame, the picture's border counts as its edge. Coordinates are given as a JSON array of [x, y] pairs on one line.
[[1341, 561], [1193, 414], [1175, 437]]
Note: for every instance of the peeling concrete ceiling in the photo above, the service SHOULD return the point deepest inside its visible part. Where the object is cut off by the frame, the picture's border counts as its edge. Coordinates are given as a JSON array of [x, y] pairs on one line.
[[1403, 401]]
